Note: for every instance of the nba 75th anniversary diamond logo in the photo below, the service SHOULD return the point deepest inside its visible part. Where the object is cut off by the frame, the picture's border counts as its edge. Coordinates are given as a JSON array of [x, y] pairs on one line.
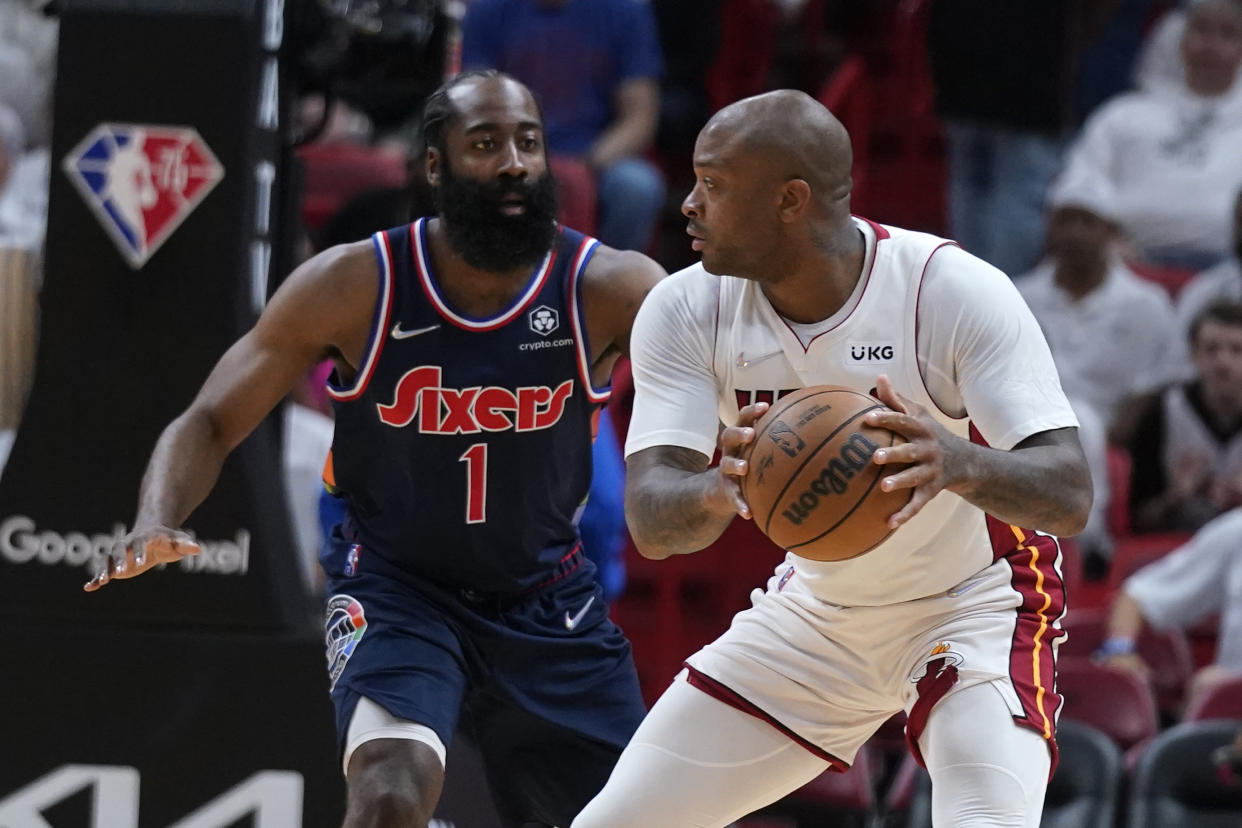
[[141, 181]]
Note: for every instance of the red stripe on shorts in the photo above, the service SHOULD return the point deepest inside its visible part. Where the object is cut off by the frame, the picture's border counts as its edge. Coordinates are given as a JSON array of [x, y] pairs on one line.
[[1032, 656], [721, 693]]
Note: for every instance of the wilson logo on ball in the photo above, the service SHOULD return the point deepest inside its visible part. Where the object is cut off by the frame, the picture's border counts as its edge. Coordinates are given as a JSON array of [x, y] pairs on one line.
[[833, 479], [812, 485]]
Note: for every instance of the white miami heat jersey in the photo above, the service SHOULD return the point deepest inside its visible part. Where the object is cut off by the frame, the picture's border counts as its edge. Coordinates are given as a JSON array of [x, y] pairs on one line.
[[949, 330]]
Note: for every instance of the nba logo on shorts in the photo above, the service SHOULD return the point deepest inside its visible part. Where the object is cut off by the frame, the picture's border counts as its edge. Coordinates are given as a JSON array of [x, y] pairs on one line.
[[142, 181], [351, 559]]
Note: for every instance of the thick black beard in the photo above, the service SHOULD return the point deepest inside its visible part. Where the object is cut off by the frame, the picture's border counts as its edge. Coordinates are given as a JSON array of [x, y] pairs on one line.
[[482, 234]]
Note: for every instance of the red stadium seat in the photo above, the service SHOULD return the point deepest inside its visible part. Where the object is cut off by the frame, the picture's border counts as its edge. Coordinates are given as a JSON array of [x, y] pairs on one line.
[[1172, 279], [1118, 703], [1223, 701], [575, 187], [744, 58], [1120, 469], [1133, 552], [847, 94], [1166, 652], [338, 171]]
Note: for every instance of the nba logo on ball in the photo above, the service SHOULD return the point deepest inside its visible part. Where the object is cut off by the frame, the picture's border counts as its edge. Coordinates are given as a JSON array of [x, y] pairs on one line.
[[141, 181]]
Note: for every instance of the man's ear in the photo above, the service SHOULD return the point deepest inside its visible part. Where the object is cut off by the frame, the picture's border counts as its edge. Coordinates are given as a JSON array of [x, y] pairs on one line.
[[795, 198], [433, 166]]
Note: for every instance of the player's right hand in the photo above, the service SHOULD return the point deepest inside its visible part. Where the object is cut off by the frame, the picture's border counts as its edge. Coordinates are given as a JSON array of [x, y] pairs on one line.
[[140, 550], [733, 441]]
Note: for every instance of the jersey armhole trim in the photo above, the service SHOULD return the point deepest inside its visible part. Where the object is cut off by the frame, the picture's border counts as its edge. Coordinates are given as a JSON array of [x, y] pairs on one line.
[[582, 347], [918, 296], [379, 325]]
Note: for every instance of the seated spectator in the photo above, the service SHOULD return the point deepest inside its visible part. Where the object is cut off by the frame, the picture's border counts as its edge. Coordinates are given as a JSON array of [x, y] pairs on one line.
[[1108, 328], [1200, 578], [1187, 444], [1098, 318], [1171, 150], [594, 66], [1222, 283]]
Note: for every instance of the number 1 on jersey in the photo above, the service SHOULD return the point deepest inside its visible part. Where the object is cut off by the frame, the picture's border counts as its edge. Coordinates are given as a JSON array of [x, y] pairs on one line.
[[475, 459]]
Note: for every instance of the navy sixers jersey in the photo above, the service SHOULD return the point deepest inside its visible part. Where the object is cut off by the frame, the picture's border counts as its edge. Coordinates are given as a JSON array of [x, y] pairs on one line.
[[463, 446]]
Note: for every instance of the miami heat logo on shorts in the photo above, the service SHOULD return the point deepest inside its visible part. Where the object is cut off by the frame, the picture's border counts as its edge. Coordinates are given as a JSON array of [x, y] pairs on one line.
[[141, 181], [344, 624], [941, 658]]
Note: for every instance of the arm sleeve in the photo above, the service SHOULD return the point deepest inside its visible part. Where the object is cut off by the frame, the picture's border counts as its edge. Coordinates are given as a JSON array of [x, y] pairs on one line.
[[675, 398], [639, 44], [983, 354], [1190, 582]]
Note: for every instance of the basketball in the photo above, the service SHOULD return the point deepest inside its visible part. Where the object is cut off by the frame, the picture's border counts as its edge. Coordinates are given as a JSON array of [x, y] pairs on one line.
[[812, 487]]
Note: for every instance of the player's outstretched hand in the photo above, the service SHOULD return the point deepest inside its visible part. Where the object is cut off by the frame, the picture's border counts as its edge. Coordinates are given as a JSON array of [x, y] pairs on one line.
[[930, 449], [733, 440], [140, 550]]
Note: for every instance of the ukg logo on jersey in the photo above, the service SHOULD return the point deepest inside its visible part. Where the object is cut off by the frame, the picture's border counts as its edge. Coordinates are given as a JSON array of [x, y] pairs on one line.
[[872, 353], [141, 181], [22, 542]]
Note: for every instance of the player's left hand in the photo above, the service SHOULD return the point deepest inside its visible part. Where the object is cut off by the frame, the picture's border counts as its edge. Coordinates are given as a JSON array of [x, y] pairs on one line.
[[932, 451], [141, 550]]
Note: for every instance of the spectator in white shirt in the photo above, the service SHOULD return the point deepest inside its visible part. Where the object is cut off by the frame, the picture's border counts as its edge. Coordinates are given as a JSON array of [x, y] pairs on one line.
[[1108, 328], [1171, 150], [1200, 578]]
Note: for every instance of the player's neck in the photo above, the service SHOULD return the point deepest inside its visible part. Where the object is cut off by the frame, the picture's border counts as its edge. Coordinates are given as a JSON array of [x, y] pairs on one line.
[[816, 285], [471, 290]]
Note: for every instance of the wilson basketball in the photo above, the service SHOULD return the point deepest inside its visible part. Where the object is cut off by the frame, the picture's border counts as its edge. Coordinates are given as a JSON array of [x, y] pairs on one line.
[[812, 487]]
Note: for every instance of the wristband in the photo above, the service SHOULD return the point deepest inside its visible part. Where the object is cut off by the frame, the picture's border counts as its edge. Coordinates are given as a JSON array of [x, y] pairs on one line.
[[1116, 645]]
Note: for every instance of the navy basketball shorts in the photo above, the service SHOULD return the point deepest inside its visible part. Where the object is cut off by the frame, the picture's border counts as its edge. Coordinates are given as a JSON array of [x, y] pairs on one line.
[[545, 682]]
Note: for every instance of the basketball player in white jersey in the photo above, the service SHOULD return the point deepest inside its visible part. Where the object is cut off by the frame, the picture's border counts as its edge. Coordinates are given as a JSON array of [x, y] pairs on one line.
[[954, 618]]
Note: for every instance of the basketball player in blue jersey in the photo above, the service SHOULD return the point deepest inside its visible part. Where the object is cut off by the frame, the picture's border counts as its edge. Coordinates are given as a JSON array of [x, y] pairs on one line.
[[472, 353]]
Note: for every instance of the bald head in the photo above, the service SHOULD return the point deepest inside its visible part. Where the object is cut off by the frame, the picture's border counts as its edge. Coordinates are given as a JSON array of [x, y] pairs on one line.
[[795, 133]]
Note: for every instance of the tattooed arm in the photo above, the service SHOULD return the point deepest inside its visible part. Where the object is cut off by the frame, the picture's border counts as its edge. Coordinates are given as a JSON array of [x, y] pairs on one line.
[[675, 503]]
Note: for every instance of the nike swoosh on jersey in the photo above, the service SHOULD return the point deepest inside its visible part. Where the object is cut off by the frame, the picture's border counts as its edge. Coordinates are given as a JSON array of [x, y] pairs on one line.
[[397, 333], [743, 362], [572, 621]]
